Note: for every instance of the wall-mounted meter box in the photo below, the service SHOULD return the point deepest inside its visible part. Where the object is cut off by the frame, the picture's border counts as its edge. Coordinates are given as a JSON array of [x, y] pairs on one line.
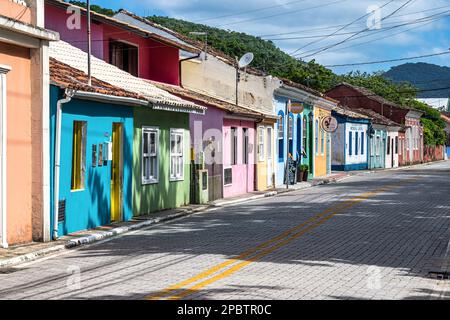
[[107, 151]]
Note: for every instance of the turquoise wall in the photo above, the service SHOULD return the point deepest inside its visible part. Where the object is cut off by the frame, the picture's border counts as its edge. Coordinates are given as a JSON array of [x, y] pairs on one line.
[[90, 207], [377, 161]]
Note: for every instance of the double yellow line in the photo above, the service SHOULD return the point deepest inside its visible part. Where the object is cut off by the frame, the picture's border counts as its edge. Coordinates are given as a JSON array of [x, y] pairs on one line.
[[181, 290]]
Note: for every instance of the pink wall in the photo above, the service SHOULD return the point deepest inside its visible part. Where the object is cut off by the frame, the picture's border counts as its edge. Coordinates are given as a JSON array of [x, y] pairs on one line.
[[157, 61], [57, 20], [243, 175]]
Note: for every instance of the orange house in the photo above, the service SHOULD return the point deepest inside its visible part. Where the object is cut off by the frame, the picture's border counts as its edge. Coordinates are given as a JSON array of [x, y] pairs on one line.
[[24, 139]]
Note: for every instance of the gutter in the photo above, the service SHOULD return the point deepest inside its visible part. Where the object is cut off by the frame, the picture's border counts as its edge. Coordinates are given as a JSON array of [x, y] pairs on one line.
[[68, 94], [100, 97]]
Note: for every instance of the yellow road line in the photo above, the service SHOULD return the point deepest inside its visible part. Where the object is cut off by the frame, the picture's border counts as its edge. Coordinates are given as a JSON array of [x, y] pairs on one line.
[[318, 219]]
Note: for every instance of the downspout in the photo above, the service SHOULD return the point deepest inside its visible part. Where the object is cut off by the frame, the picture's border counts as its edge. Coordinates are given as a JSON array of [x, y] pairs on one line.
[[68, 94], [179, 66]]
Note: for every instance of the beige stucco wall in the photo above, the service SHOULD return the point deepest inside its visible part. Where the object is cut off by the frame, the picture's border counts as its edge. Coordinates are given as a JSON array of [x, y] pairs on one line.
[[217, 78]]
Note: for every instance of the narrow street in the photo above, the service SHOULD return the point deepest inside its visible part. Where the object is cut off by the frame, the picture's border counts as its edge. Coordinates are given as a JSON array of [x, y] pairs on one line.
[[373, 236]]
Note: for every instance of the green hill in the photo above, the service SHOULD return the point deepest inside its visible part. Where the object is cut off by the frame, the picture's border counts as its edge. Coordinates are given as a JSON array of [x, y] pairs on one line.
[[268, 57], [424, 76]]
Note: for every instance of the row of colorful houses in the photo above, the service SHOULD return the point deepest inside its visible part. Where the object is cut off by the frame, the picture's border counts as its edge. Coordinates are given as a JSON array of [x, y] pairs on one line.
[[158, 124]]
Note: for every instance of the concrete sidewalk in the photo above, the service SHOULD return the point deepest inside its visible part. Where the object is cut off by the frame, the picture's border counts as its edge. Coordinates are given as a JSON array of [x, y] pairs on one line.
[[24, 253]]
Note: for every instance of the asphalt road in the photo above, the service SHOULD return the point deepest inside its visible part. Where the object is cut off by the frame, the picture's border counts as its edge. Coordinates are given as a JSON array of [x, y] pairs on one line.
[[375, 236]]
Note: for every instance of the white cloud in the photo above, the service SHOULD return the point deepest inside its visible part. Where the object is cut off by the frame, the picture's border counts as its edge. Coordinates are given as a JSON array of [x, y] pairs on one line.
[[286, 16]]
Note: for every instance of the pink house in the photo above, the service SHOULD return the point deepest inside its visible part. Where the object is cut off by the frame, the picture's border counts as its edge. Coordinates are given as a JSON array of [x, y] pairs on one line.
[[225, 137], [132, 49]]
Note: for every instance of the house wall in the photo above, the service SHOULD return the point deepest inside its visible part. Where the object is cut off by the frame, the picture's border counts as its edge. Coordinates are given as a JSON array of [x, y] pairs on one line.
[[342, 160], [414, 138], [75, 34], [165, 194], [377, 152], [338, 145], [297, 138], [265, 158], [218, 79], [243, 174], [207, 137], [392, 157], [90, 207], [16, 11], [320, 159], [354, 99], [157, 61], [19, 143], [401, 148]]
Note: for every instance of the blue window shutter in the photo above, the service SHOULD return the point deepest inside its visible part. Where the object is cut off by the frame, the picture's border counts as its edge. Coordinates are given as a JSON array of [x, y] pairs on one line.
[[350, 143]]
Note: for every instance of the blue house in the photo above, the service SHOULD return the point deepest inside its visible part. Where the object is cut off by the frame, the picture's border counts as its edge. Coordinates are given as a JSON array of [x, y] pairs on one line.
[[294, 134], [383, 147], [350, 140], [91, 151]]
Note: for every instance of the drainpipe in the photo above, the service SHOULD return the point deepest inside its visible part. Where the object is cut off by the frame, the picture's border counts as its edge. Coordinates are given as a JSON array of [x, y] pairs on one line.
[[179, 66], [68, 94]]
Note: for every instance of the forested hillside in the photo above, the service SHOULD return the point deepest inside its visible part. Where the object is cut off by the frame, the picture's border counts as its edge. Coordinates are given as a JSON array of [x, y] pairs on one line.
[[424, 76]]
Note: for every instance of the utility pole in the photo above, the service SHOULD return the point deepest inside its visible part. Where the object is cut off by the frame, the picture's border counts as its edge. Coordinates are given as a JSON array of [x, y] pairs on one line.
[[88, 4]]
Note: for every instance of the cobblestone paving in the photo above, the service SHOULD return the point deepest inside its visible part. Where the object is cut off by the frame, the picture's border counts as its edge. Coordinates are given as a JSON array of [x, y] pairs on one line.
[[380, 247]]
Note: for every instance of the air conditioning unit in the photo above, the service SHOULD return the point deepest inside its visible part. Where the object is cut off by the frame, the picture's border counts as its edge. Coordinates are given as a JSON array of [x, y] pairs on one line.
[[201, 186]]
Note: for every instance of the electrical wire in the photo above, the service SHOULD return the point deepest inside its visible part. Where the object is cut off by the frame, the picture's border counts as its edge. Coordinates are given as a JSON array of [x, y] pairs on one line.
[[357, 33], [386, 61]]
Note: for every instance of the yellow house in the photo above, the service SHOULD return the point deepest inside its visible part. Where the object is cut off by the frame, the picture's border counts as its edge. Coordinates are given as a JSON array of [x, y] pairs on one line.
[[322, 142], [265, 155]]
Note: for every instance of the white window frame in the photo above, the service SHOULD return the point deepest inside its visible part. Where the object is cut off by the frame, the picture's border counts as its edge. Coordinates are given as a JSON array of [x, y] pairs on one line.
[[269, 142], [3, 102], [176, 131], [261, 144], [150, 130]]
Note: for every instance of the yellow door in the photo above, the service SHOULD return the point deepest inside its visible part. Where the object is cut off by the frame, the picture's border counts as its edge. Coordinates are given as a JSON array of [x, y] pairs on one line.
[[116, 173]]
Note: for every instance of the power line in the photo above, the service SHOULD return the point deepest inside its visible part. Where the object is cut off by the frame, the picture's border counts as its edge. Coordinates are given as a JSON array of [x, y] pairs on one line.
[[390, 35], [385, 61], [340, 25], [419, 20], [335, 32], [279, 14], [359, 32]]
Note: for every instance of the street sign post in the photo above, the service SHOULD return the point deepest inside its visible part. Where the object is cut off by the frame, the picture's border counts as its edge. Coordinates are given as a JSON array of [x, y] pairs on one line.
[[329, 124]]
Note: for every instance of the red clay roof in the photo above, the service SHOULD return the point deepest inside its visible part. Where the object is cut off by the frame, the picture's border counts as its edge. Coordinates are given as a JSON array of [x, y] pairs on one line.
[[377, 118], [211, 101]]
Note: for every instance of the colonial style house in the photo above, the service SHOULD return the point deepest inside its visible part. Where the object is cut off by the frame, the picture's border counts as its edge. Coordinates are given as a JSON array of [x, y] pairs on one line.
[[383, 140], [358, 97], [24, 96], [296, 132], [120, 156], [350, 149], [213, 74], [216, 145]]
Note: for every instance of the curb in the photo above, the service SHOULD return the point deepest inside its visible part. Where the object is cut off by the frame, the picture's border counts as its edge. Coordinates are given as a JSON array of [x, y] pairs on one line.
[[70, 244]]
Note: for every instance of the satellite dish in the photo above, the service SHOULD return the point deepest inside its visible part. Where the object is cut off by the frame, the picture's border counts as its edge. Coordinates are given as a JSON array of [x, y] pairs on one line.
[[245, 60]]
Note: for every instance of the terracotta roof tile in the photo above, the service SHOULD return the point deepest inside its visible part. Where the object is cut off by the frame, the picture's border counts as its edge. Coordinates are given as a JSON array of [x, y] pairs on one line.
[[211, 101]]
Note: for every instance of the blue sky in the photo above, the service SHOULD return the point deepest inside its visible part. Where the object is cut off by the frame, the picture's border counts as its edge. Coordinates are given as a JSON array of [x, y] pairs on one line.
[[421, 27]]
